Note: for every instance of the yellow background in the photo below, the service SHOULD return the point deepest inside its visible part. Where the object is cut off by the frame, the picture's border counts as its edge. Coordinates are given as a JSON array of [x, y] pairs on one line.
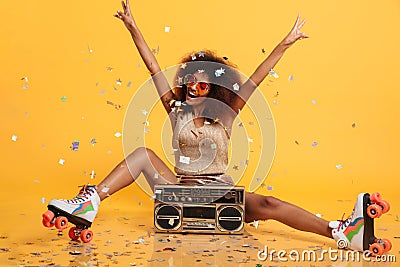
[[348, 67]]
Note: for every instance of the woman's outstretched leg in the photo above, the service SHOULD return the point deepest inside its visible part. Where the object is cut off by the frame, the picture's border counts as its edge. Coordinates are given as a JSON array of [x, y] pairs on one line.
[[142, 160], [260, 207], [82, 209]]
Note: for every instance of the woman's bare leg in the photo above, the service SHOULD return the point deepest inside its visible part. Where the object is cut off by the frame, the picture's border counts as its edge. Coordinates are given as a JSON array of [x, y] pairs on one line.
[[260, 207], [142, 160]]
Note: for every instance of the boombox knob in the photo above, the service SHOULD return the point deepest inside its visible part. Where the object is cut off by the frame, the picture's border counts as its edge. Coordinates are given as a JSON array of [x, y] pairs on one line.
[[228, 195]]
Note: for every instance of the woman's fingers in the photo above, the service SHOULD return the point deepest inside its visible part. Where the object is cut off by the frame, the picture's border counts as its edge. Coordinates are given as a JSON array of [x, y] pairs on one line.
[[119, 15], [123, 5], [301, 24]]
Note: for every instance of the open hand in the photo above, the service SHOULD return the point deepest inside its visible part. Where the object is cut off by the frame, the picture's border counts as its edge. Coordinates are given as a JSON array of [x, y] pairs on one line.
[[296, 33], [126, 15]]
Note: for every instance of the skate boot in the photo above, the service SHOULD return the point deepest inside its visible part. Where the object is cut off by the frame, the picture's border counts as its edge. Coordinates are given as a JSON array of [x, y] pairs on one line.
[[357, 231], [80, 210]]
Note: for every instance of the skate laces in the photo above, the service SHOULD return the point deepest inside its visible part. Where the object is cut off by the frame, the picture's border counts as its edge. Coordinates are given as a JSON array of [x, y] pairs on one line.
[[84, 194], [344, 223]]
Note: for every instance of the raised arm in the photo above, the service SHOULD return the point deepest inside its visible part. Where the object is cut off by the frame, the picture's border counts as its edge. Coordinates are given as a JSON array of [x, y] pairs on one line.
[[269, 63], [161, 83]]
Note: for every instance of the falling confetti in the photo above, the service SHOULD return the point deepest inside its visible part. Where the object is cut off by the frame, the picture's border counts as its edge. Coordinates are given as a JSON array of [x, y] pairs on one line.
[[129, 84], [314, 144], [43, 200], [116, 106], [195, 135], [213, 146], [144, 112], [117, 134], [93, 141], [61, 161], [273, 74], [236, 87], [105, 189], [219, 72], [185, 160], [64, 98], [167, 29], [193, 56], [314, 102], [201, 54], [255, 224], [14, 138], [353, 125], [75, 145], [275, 102], [339, 166], [291, 78], [92, 174], [270, 187], [155, 51], [119, 82]]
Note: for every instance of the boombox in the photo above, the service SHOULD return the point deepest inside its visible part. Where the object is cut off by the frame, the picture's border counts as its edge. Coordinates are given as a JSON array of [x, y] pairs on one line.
[[193, 208]]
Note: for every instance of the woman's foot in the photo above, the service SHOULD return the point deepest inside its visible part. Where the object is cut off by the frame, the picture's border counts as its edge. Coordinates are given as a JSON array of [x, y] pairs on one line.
[[84, 206]]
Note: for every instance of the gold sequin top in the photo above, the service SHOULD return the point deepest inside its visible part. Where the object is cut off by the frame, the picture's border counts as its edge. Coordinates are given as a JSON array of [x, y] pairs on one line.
[[199, 151]]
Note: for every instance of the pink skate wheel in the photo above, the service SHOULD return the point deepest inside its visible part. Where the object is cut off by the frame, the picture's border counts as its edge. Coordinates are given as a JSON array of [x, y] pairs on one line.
[[47, 224], [374, 211], [86, 236], [61, 223], [376, 249], [386, 244], [385, 206], [74, 233], [47, 218], [375, 197]]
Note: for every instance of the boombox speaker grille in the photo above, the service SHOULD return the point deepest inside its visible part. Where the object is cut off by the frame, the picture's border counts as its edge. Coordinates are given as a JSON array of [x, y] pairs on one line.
[[168, 217], [230, 218]]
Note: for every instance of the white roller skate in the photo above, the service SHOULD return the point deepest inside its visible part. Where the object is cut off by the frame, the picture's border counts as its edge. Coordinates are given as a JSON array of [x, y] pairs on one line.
[[357, 231], [80, 210]]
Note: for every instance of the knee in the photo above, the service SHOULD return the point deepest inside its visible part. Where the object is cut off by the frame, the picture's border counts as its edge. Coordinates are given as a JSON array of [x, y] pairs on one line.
[[140, 154], [270, 202]]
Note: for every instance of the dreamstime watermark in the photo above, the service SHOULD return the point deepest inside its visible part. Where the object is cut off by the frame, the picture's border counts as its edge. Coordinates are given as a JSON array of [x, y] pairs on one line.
[[321, 255]]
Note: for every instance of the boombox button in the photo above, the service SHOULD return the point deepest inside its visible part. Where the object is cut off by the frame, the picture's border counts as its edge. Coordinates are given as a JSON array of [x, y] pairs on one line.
[[189, 199], [176, 198], [182, 198]]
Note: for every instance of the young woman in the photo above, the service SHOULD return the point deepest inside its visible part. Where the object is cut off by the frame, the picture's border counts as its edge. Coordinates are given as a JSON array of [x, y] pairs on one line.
[[212, 107]]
